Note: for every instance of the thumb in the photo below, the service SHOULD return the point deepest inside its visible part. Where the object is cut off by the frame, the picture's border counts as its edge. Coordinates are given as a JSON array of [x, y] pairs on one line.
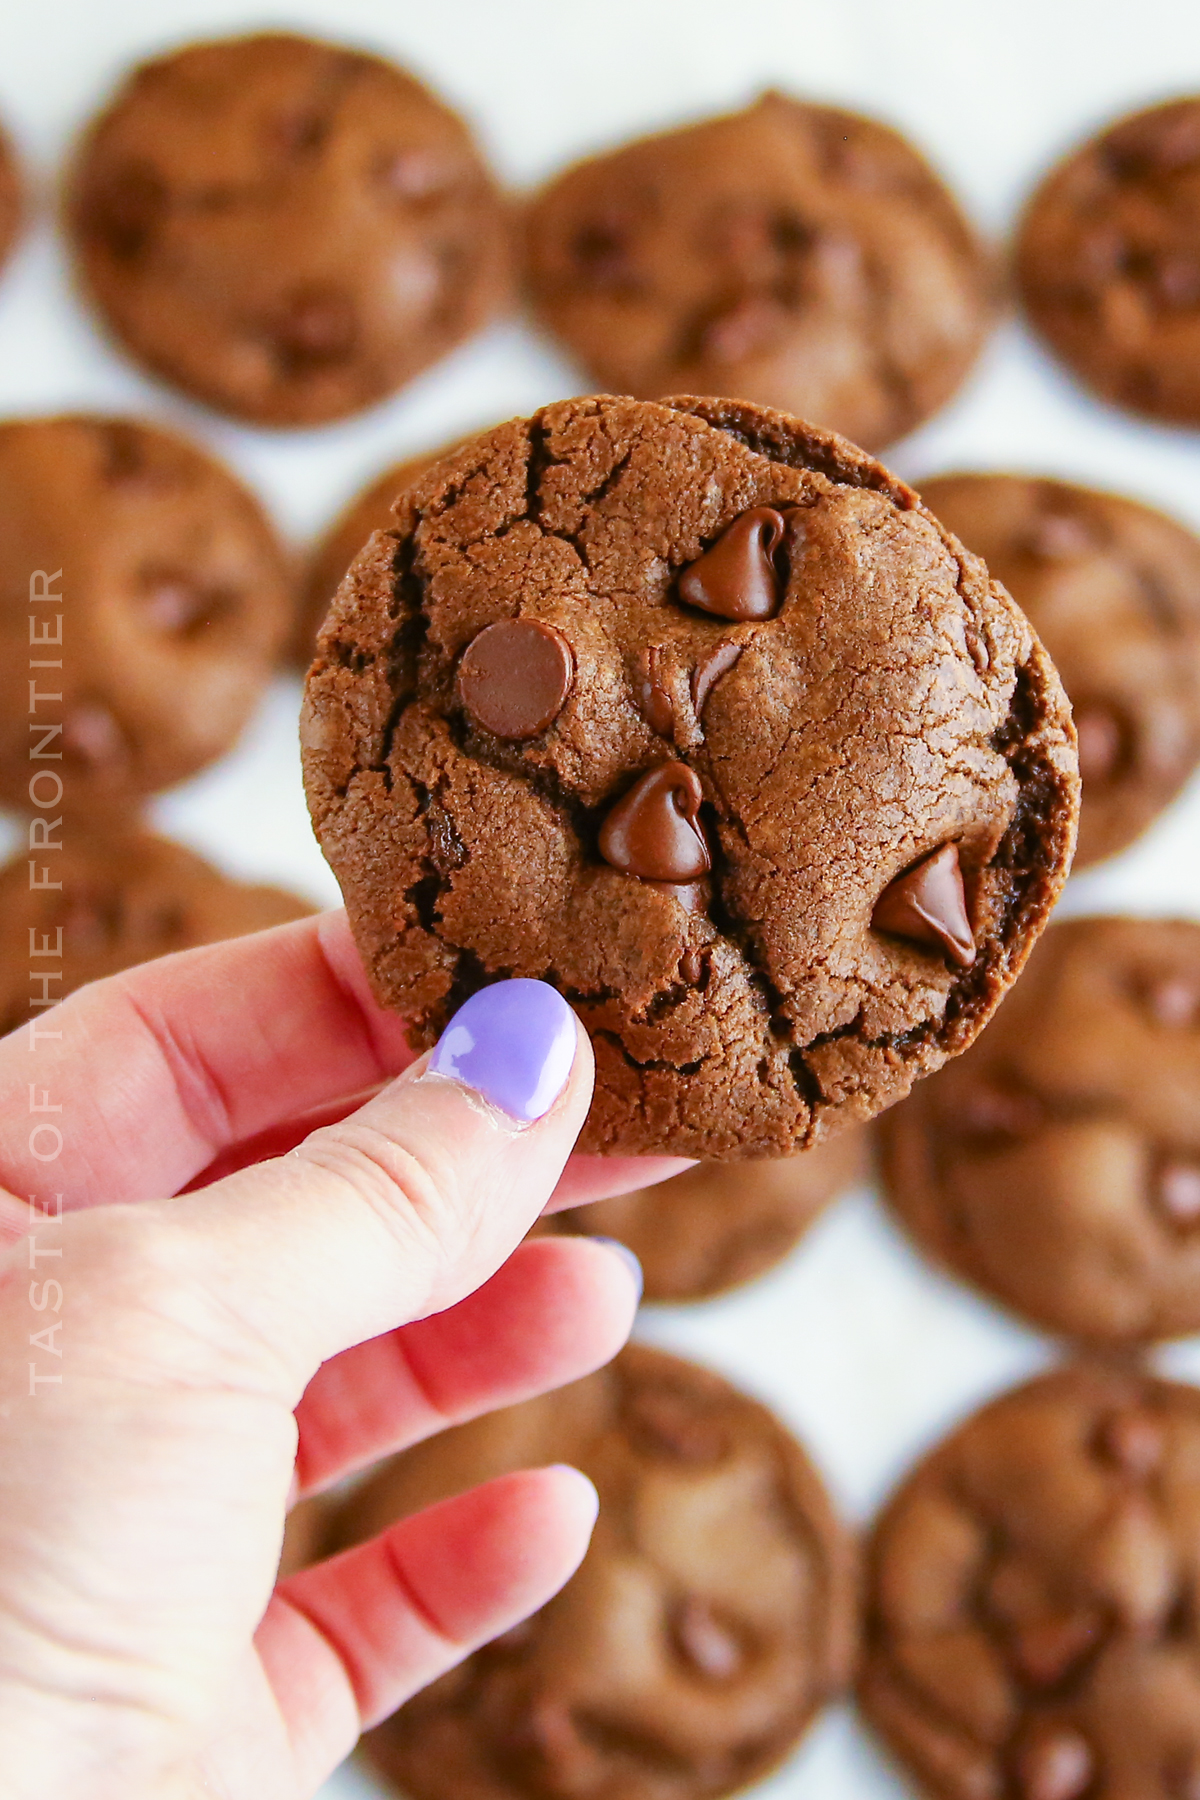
[[409, 1204]]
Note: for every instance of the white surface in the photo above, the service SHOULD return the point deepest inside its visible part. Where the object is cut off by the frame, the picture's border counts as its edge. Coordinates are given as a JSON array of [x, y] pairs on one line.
[[854, 1341]]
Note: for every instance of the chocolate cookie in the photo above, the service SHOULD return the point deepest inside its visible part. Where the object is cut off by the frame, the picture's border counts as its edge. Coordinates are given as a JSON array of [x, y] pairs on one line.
[[721, 1224], [711, 1618], [1057, 1165], [805, 258], [286, 229], [144, 592], [1113, 590], [11, 196], [1032, 1625], [335, 551], [120, 900], [697, 713], [1108, 259]]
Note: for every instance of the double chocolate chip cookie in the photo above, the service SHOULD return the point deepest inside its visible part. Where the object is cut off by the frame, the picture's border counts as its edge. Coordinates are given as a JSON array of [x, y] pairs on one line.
[[696, 713], [1032, 1626], [711, 1618], [119, 900], [802, 257], [1108, 258], [1057, 1165], [144, 598], [1113, 590], [368, 512], [721, 1224], [287, 229]]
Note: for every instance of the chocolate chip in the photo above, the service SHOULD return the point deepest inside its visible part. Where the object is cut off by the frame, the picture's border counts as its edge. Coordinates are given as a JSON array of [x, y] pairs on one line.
[[600, 251], [515, 676], [927, 905], [709, 670], [742, 328], [1056, 1763], [91, 733], [1047, 1650], [1101, 741], [988, 1112], [1174, 1002], [665, 1422], [691, 967], [650, 692], [739, 577], [127, 211], [1133, 1441], [313, 328], [1179, 1191], [700, 1636], [654, 830]]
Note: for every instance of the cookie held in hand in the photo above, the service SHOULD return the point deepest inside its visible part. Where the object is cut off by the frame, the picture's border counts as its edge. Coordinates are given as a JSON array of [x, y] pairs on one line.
[[770, 781]]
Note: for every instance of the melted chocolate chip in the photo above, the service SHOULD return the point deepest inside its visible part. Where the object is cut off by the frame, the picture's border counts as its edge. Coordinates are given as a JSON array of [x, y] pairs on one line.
[[653, 697], [1101, 742], [740, 576], [1179, 1192], [1046, 1651], [709, 670], [1056, 1763], [1133, 1441], [704, 1641], [654, 830], [515, 676], [996, 1114], [691, 967], [315, 328], [927, 905], [664, 1422]]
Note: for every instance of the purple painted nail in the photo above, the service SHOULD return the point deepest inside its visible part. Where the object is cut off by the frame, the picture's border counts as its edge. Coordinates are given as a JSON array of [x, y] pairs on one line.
[[514, 1043]]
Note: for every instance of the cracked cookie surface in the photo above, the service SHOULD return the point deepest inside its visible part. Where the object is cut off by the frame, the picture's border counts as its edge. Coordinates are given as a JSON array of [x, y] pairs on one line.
[[799, 256], [710, 1619], [1057, 1164], [287, 229], [748, 844], [1108, 262], [1113, 590], [1032, 1628]]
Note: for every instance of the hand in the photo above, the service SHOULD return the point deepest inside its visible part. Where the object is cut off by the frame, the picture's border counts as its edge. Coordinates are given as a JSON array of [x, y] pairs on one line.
[[174, 1372]]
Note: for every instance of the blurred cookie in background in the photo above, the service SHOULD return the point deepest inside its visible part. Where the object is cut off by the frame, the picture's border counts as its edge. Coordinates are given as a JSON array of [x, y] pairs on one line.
[[1056, 1165], [287, 229], [711, 1618], [331, 556], [790, 254], [721, 1224], [143, 588], [1031, 1621], [121, 900], [12, 196], [1113, 590], [1108, 262]]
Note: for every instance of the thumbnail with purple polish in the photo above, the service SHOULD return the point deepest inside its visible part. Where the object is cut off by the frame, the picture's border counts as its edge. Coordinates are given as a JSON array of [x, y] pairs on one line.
[[514, 1043]]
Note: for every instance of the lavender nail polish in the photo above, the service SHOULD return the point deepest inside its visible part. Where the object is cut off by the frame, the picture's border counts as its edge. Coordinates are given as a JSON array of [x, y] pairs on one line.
[[514, 1043]]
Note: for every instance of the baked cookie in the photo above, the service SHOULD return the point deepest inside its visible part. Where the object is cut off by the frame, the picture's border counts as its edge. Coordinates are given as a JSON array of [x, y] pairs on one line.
[[694, 711], [1108, 261], [804, 258], [122, 900], [287, 229], [721, 1224], [12, 205], [1032, 1628], [712, 1616], [1057, 1165], [157, 636], [1113, 590], [332, 555]]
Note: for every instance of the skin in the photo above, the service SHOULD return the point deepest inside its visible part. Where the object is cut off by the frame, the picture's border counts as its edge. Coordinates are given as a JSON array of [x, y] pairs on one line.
[[241, 1346]]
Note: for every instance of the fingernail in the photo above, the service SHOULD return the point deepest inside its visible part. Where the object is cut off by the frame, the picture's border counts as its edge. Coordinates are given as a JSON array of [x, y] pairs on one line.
[[631, 1261], [514, 1043]]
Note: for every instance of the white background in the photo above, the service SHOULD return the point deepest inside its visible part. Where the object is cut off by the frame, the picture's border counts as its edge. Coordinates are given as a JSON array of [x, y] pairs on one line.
[[865, 1351]]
